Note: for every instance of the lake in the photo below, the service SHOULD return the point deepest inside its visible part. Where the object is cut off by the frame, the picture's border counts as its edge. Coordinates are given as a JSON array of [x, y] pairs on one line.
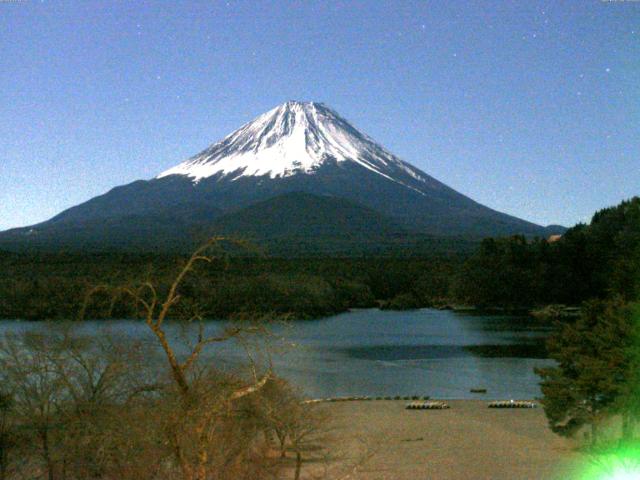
[[442, 354]]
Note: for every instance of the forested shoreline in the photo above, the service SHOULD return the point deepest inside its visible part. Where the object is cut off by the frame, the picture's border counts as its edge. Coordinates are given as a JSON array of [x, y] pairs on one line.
[[51, 286], [589, 261]]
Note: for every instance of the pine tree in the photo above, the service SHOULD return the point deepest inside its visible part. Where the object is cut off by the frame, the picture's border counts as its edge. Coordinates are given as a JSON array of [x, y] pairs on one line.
[[628, 403], [592, 375]]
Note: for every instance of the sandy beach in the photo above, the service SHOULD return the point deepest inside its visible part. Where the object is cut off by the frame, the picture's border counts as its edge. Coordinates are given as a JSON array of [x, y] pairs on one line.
[[378, 440]]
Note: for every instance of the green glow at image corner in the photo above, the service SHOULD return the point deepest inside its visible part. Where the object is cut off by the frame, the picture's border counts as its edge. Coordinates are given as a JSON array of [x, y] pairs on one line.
[[622, 475], [619, 464]]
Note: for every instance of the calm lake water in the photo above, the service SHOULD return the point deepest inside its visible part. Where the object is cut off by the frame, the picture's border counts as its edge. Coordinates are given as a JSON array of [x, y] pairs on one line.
[[373, 352]]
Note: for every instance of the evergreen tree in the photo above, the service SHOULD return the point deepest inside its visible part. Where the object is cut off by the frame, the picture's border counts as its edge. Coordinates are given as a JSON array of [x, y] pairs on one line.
[[593, 367], [628, 403]]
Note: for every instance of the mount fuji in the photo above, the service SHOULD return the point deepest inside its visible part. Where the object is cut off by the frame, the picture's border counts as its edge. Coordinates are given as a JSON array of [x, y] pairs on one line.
[[299, 170]]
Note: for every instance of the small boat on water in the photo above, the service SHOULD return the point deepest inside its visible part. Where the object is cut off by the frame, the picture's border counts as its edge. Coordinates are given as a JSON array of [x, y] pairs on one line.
[[478, 390]]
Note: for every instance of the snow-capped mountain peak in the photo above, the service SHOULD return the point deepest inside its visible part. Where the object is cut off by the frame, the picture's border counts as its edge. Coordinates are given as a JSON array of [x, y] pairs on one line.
[[300, 163], [293, 138]]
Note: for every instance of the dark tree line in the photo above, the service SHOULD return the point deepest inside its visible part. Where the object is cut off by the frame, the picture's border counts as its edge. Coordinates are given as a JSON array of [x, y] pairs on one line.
[[589, 261], [48, 286], [596, 380]]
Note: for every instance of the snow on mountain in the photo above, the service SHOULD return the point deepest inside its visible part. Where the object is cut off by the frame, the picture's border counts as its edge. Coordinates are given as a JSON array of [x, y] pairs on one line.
[[293, 138]]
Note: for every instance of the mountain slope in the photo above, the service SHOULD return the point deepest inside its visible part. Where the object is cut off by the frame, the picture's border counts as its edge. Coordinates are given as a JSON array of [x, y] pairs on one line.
[[302, 224], [173, 228], [295, 147], [304, 215]]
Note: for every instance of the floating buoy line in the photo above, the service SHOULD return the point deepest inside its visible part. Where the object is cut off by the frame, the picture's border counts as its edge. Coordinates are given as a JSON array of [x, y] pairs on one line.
[[512, 404], [364, 398], [423, 402]]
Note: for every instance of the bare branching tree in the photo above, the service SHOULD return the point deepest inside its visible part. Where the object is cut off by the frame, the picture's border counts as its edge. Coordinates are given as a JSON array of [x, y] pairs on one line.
[[69, 395], [7, 433], [200, 402], [99, 405], [28, 371]]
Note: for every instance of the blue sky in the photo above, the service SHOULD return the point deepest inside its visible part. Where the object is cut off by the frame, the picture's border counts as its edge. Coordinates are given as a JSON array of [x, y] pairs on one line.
[[532, 108]]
